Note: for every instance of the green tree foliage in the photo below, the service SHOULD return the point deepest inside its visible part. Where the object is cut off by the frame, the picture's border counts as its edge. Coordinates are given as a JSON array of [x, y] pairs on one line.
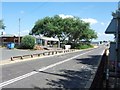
[[2, 26], [28, 42], [72, 29]]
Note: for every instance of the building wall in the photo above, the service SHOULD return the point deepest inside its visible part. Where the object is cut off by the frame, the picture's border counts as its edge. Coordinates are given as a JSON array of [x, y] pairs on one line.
[[5, 40]]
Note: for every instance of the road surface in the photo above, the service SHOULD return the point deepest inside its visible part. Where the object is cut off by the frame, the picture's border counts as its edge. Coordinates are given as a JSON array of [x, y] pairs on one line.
[[73, 70], [8, 53]]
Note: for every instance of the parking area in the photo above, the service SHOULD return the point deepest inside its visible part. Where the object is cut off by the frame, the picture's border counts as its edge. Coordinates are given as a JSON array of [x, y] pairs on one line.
[[7, 53]]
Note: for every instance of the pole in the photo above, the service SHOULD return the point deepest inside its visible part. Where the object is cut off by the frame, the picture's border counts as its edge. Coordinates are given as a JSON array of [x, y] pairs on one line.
[[19, 33]]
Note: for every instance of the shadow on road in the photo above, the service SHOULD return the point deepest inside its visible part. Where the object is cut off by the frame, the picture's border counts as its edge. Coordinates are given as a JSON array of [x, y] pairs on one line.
[[70, 79], [74, 78], [93, 60]]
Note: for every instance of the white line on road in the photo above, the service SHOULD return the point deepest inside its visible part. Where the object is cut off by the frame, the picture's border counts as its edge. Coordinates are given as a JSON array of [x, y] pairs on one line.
[[42, 69]]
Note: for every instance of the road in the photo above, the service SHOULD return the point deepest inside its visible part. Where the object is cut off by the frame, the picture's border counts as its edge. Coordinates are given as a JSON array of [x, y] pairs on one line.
[[8, 53], [73, 70]]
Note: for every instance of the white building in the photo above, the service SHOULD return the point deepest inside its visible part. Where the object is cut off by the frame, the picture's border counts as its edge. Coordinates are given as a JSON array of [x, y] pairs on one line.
[[46, 41]]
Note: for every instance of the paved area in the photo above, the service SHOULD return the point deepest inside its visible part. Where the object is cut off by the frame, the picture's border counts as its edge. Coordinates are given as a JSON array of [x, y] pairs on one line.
[[73, 70], [8, 53]]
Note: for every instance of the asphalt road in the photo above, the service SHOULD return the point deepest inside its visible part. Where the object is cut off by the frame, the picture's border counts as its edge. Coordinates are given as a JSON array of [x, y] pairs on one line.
[[8, 53], [73, 70]]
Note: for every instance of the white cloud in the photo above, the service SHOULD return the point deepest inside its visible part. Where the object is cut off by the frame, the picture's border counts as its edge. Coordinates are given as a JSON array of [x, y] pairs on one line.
[[102, 23], [22, 12], [90, 20], [66, 16], [25, 31], [22, 33], [102, 36]]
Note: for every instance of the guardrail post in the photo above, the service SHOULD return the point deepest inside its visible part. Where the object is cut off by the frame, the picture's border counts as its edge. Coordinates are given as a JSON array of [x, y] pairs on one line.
[[12, 59], [44, 53], [56, 52], [31, 56], [38, 55], [48, 53], [52, 52], [21, 57]]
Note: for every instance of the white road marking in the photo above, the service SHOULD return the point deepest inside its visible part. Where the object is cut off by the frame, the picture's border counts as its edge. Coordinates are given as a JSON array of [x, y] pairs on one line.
[[42, 69]]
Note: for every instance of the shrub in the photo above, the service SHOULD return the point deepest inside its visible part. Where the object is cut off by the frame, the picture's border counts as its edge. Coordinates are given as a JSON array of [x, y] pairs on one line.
[[28, 42], [83, 46]]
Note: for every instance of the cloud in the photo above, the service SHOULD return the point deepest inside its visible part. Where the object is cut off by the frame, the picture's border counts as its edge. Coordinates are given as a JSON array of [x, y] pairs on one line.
[[102, 36], [23, 33], [102, 23], [90, 20], [22, 12], [66, 16]]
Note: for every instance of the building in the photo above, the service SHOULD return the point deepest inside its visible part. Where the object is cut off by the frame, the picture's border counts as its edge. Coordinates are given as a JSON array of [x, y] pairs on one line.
[[9, 38], [40, 40], [46, 41]]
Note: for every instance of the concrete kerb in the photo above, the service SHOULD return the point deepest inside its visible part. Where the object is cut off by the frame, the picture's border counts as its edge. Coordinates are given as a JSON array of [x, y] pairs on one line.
[[40, 55]]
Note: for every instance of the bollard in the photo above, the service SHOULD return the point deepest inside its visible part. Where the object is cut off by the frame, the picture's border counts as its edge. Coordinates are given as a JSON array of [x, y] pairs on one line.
[[52, 52]]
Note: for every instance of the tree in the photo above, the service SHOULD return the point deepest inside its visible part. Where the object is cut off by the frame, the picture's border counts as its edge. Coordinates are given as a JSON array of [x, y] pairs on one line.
[[88, 34], [2, 26], [72, 29]]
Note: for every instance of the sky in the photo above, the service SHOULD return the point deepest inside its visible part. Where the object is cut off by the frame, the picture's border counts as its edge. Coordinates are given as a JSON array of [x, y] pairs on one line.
[[97, 13]]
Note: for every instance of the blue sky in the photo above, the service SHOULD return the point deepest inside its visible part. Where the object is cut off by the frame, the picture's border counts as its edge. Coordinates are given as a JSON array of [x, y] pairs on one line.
[[97, 13]]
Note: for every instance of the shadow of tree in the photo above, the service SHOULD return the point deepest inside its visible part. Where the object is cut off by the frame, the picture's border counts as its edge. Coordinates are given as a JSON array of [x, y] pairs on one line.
[[72, 79], [93, 60]]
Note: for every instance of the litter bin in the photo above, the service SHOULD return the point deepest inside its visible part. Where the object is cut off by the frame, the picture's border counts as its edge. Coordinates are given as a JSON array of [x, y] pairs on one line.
[[67, 47], [10, 45]]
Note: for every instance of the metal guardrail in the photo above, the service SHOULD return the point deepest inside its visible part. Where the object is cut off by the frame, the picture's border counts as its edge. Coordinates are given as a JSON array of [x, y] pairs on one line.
[[41, 54]]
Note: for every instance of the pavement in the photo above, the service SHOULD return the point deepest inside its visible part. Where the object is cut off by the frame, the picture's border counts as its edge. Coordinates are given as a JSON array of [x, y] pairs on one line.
[[72, 70], [6, 54]]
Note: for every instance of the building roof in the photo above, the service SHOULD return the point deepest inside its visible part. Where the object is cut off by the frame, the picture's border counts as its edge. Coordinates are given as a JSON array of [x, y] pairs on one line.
[[9, 35]]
